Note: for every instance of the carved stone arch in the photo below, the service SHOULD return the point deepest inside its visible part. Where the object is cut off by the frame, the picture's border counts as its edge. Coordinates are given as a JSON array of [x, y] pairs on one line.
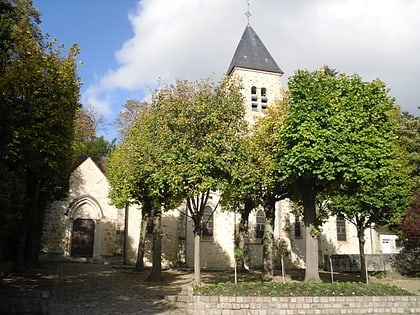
[[83, 215], [78, 203]]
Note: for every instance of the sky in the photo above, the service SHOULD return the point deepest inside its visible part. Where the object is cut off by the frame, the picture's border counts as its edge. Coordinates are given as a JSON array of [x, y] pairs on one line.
[[127, 46]]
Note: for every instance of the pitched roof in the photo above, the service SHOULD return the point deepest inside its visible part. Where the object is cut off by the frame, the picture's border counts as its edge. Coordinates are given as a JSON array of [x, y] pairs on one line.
[[252, 54], [100, 162]]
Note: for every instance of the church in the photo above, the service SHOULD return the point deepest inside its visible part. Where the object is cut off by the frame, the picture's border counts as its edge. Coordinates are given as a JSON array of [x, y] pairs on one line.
[[86, 227]]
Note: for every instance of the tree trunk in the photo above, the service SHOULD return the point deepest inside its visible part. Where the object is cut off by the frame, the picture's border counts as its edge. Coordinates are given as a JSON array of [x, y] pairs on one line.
[[23, 248], [125, 245], [311, 239], [197, 267], [142, 240], [242, 242], [363, 267], [156, 273], [36, 230], [268, 255]]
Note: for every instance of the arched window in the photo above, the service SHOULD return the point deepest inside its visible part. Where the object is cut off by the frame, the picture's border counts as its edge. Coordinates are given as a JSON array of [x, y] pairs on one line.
[[264, 99], [207, 222], [254, 98], [259, 231]]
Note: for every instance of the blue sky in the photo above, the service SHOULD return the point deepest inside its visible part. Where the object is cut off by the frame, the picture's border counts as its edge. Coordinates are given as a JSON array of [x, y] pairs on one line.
[[128, 45]]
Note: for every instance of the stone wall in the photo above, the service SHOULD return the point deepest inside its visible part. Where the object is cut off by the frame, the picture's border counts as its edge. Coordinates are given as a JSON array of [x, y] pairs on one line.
[[346, 263], [212, 305]]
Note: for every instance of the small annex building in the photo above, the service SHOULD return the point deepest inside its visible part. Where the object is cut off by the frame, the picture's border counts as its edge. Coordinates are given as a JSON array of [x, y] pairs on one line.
[[85, 225]]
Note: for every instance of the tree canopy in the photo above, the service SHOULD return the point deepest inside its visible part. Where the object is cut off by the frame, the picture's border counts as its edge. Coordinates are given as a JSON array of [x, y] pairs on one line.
[[340, 131], [40, 92], [184, 144]]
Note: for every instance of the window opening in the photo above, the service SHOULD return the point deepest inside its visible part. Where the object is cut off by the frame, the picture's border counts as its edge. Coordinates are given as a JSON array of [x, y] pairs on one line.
[[254, 98], [260, 224], [264, 99], [341, 229], [207, 222]]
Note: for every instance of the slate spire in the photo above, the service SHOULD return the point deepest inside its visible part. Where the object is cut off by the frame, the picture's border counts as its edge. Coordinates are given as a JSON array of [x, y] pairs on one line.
[[252, 54]]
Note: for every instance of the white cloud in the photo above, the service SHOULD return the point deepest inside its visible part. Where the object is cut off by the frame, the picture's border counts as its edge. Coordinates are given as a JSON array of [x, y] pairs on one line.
[[195, 38]]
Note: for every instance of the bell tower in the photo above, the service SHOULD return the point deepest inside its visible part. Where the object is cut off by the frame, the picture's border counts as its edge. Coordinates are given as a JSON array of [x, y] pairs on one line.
[[259, 73]]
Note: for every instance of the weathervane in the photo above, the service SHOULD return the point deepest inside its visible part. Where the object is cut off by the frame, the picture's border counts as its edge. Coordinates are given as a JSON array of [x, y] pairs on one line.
[[247, 13]]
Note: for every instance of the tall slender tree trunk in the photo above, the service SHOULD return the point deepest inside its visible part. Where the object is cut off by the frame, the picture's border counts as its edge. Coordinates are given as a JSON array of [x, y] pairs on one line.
[[311, 239], [36, 230], [23, 250], [145, 217], [268, 255], [125, 245], [197, 263], [142, 240], [363, 267], [242, 242], [156, 273]]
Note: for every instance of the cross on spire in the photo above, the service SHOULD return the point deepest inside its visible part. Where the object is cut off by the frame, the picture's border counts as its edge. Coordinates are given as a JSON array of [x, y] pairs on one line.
[[247, 13]]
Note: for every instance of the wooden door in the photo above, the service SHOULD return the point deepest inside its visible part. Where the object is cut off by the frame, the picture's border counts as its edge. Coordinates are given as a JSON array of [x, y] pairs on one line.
[[82, 238]]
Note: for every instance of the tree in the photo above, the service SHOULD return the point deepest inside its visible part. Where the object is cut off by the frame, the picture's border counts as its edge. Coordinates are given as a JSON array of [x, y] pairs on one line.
[[408, 262], [127, 116], [40, 92], [138, 174], [203, 121], [409, 139], [379, 200], [265, 142], [87, 141], [335, 134]]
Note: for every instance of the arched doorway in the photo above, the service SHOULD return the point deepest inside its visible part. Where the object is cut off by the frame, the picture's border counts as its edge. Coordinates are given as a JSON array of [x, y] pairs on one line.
[[82, 238]]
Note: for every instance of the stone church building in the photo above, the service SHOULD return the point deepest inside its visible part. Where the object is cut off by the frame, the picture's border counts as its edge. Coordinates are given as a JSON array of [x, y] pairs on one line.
[[85, 226]]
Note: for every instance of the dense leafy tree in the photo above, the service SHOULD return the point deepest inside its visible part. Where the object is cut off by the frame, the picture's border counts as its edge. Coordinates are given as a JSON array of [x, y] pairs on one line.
[[339, 131], [183, 148], [409, 138], [240, 196], [378, 193], [87, 142], [137, 173], [40, 92], [380, 200], [203, 120], [265, 142]]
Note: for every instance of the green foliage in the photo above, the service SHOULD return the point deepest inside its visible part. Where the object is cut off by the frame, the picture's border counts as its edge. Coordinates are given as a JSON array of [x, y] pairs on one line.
[[179, 147], [409, 139], [298, 289], [201, 123], [340, 137], [40, 92], [336, 126], [94, 147]]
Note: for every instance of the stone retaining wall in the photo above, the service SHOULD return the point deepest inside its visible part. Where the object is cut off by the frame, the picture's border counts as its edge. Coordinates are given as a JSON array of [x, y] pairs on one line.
[[351, 263], [229, 305]]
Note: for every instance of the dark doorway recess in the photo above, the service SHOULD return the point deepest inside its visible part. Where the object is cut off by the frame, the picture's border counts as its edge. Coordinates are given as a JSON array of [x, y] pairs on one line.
[[82, 238]]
